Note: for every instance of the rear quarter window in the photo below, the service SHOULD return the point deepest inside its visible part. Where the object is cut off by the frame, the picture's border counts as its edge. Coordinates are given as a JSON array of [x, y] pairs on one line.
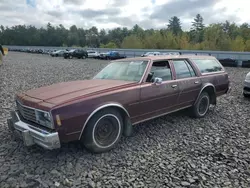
[[207, 65]]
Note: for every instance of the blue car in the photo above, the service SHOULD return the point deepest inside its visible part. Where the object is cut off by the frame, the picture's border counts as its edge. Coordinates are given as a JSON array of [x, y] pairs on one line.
[[112, 55]]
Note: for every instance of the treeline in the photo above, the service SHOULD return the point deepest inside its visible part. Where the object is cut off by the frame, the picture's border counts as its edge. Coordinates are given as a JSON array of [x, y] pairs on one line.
[[220, 36]]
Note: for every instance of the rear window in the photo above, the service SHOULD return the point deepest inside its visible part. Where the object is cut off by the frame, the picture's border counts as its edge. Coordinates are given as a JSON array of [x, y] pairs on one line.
[[207, 65]]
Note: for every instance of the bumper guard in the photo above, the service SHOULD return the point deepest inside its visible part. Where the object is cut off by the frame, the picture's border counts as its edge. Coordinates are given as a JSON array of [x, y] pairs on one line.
[[32, 135]]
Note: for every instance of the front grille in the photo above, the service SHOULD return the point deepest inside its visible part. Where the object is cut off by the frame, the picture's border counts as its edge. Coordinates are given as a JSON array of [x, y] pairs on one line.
[[27, 113]]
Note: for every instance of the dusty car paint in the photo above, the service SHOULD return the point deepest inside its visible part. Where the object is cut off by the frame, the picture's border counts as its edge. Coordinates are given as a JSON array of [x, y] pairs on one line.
[[75, 101]]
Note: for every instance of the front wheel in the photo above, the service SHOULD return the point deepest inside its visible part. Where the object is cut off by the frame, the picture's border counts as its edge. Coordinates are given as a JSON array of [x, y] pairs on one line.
[[246, 95], [201, 107], [103, 131]]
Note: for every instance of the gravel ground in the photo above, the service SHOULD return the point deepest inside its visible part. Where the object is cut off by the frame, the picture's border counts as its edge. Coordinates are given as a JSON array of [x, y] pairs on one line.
[[172, 151]]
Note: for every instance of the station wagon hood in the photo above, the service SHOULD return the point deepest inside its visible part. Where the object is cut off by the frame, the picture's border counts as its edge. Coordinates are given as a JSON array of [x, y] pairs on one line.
[[60, 93]]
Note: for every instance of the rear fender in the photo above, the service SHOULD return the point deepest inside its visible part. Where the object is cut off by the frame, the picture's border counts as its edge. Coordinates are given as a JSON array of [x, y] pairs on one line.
[[210, 88]]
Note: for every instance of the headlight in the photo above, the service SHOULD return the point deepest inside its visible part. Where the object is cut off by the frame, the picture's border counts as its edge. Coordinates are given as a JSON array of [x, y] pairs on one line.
[[248, 77], [44, 118]]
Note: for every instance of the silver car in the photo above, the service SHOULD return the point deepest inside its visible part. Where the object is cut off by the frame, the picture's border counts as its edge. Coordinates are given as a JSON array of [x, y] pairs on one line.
[[92, 54], [58, 53], [246, 88]]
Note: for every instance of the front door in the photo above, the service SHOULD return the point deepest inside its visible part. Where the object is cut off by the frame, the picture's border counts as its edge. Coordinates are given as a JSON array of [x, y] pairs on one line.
[[158, 98]]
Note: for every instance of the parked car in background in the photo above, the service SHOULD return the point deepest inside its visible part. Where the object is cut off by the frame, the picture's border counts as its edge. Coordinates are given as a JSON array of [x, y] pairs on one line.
[[170, 53], [150, 54], [97, 112], [102, 55], [112, 55], [77, 53], [92, 54], [58, 53], [246, 86]]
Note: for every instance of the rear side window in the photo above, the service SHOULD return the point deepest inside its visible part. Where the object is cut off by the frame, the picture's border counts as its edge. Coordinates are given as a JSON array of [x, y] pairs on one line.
[[183, 69], [207, 65]]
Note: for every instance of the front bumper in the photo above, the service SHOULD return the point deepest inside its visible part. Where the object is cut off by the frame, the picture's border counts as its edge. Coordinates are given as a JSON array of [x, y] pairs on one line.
[[32, 135], [246, 87]]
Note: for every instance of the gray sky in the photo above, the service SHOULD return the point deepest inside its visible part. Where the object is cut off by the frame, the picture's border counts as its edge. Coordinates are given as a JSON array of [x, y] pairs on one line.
[[108, 14]]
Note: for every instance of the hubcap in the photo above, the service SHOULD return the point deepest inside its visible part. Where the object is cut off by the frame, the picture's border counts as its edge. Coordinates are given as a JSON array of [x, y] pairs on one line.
[[106, 131], [204, 103]]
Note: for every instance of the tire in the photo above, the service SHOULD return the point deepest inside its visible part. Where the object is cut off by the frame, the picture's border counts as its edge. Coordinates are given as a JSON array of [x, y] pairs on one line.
[[70, 57], [246, 95], [92, 134], [199, 111]]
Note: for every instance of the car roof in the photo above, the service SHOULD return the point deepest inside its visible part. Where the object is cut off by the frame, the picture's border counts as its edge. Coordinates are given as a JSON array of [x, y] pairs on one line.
[[163, 57]]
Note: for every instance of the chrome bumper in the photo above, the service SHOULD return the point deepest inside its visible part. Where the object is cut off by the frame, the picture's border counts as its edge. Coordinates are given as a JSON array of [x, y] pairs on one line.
[[32, 135], [229, 90]]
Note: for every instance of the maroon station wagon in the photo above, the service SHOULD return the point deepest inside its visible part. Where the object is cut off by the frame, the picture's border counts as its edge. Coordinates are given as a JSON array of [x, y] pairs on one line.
[[97, 112]]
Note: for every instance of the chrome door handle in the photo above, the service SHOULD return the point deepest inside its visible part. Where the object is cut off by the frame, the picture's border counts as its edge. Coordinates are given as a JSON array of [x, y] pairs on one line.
[[196, 82], [174, 86]]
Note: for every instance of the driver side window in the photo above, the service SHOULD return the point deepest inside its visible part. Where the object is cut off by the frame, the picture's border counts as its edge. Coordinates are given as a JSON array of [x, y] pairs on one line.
[[160, 69]]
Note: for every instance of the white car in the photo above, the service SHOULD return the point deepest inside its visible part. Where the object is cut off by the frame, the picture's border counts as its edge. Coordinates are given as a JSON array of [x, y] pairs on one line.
[[246, 87], [170, 53], [150, 54], [92, 54]]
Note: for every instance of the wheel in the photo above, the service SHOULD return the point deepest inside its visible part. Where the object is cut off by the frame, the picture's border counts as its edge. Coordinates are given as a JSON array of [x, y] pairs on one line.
[[246, 95], [70, 57], [103, 131], [84, 57], [200, 109]]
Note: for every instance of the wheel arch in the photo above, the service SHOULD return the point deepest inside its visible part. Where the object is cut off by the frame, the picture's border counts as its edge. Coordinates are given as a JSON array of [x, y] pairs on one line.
[[125, 114], [210, 88]]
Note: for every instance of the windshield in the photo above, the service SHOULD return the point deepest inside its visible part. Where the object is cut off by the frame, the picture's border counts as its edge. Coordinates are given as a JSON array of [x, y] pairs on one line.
[[123, 70]]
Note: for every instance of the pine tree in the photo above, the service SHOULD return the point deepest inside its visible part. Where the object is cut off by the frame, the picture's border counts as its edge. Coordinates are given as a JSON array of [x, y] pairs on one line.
[[175, 25], [197, 29]]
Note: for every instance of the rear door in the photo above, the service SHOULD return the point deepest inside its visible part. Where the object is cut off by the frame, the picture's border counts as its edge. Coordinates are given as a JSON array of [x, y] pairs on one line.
[[188, 81]]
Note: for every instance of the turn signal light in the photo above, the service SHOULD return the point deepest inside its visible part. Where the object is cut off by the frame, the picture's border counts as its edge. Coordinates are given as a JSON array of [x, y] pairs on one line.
[[58, 120]]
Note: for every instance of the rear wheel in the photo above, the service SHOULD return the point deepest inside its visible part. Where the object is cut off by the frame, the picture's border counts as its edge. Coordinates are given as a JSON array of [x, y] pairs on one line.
[[201, 107], [103, 131]]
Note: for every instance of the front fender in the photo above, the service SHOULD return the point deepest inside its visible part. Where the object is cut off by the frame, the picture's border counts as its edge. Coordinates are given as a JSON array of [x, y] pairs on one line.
[[100, 107]]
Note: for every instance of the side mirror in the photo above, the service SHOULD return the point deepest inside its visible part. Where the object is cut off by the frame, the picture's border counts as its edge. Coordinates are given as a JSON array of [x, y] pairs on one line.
[[150, 76], [157, 80]]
